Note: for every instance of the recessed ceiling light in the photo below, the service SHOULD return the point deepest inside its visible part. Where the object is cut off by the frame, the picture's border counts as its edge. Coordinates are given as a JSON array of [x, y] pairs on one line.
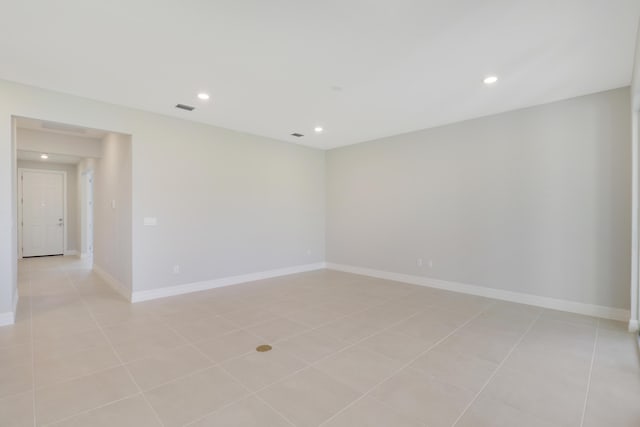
[[44, 156], [203, 96], [489, 80], [318, 129]]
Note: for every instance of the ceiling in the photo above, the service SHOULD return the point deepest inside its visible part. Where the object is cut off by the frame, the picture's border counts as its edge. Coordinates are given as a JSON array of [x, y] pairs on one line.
[[361, 69], [59, 128], [53, 158]]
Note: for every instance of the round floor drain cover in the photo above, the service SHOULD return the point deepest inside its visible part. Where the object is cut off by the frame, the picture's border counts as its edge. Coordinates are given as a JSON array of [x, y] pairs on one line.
[[263, 348]]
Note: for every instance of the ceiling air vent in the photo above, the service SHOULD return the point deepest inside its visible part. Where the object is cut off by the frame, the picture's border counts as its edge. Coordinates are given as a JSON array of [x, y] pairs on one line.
[[297, 135], [185, 107]]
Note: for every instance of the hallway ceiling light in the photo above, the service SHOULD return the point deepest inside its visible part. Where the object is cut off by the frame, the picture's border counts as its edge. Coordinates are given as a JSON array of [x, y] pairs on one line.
[[203, 96], [489, 80], [318, 129], [44, 156]]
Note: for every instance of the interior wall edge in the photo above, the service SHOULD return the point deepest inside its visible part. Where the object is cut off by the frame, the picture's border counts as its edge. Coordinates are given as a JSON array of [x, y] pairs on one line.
[[9, 317], [114, 283]]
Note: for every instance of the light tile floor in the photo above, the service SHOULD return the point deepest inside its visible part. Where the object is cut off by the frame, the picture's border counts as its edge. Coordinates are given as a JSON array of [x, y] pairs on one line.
[[347, 351]]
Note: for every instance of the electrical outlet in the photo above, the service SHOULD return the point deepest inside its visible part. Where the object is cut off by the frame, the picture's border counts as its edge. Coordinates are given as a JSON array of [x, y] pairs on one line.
[[430, 263], [419, 262], [308, 252], [176, 269]]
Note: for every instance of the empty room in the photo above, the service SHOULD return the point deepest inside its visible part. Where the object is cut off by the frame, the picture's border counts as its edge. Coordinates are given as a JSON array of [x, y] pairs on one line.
[[244, 213]]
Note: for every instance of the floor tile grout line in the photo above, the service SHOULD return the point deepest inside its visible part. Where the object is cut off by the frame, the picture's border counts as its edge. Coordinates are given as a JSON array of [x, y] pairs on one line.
[[495, 372], [593, 358], [407, 335], [313, 328], [363, 310], [312, 365], [307, 366], [188, 343], [407, 364], [86, 411], [219, 366], [131, 377], [251, 394], [216, 365], [349, 345], [33, 356], [181, 377], [246, 329], [284, 417], [35, 389], [77, 377]]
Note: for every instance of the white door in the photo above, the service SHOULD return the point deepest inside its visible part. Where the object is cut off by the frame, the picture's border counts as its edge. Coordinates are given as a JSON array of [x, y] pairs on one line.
[[42, 213]]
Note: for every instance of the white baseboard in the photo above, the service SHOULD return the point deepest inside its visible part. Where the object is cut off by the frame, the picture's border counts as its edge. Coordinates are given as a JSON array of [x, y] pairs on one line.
[[9, 317], [72, 252], [218, 283], [633, 325], [117, 286], [518, 297]]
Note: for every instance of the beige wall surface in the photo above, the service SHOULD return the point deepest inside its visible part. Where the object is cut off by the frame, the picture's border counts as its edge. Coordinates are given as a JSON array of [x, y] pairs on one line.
[[112, 209], [227, 203], [534, 201]]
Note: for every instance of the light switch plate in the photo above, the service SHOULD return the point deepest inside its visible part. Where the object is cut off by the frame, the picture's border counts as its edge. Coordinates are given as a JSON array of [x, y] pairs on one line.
[[150, 220]]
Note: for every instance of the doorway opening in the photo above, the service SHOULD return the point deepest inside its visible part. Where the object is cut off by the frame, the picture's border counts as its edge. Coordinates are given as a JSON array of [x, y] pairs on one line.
[[74, 196], [52, 162]]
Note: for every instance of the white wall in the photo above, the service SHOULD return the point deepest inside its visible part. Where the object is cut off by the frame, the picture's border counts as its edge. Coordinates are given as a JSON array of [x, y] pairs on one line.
[[535, 201], [635, 78], [112, 209], [227, 203], [50, 142], [72, 227], [634, 323]]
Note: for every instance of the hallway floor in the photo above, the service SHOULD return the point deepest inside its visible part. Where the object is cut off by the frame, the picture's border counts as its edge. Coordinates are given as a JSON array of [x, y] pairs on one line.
[[347, 351]]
